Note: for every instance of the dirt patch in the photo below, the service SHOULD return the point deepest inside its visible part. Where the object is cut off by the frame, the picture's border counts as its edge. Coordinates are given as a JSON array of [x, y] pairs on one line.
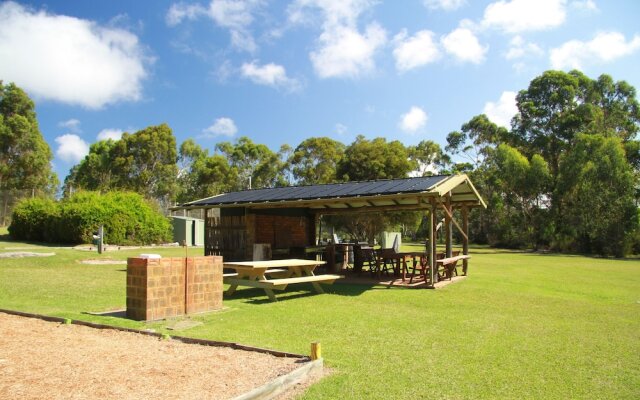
[[21, 254], [40, 359]]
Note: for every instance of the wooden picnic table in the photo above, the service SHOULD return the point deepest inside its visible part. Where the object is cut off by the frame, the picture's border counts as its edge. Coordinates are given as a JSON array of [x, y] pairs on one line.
[[399, 260], [416, 256], [275, 275]]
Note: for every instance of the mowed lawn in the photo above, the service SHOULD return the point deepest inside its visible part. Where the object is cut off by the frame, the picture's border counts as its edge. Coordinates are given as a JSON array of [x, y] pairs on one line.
[[520, 326]]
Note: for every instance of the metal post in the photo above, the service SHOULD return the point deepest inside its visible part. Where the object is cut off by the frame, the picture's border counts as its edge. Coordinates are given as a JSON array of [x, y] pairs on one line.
[[100, 239], [186, 278]]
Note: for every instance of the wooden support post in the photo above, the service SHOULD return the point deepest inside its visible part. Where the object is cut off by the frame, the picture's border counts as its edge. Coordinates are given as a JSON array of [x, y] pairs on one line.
[[433, 276], [331, 257], [207, 228], [448, 226], [465, 239], [316, 351], [317, 224]]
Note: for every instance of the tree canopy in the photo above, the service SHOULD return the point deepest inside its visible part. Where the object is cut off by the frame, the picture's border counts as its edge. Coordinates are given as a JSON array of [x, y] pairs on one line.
[[144, 161], [374, 159], [315, 160], [565, 175], [25, 157]]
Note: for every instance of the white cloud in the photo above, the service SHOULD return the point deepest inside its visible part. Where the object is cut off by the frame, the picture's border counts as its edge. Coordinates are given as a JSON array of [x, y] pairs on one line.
[[109, 133], [502, 112], [233, 15], [334, 12], [604, 47], [73, 125], [71, 148], [268, 74], [222, 127], [342, 50], [180, 11], [237, 17], [413, 120], [415, 51], [524, 15], [586, 5], [68, 59], [464, 46], [519, 48], [447, 5], [341, 129]]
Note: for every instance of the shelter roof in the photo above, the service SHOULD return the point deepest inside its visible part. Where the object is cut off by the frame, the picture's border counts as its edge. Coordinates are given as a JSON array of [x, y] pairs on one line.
[[407, 193]]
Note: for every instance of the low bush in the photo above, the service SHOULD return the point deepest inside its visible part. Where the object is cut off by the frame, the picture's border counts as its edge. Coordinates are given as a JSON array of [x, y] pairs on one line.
[[128, 219], [32, 219]]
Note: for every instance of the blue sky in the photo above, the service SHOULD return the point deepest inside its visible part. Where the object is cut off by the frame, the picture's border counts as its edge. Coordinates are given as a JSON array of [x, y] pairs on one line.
[[281, 71]]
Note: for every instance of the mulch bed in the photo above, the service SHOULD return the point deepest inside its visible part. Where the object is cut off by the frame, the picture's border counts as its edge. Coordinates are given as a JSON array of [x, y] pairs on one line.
[[40, 359]]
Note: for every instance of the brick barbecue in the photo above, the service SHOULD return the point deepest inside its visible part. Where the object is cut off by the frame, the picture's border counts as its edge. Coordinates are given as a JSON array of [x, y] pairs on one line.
[[156, 286]]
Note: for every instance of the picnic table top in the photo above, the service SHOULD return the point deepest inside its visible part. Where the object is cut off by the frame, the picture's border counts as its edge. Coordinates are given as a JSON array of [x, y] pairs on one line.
[[292, 262]]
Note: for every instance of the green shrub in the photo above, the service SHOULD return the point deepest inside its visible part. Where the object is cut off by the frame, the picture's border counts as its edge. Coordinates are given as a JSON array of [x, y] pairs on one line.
[[127, 217], [32, 219]]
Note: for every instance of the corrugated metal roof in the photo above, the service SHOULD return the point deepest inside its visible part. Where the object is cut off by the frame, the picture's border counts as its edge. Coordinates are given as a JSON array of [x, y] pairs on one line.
[[328, 191]]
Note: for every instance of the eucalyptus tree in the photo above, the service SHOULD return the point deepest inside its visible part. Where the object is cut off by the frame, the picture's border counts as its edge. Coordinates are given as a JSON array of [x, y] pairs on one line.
[[255, 165], [25, 157], [375, 159], [315, 160], [144, 162]]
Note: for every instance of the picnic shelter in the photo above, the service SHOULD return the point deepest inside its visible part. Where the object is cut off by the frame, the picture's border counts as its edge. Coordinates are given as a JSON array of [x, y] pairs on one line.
[[286, 218]]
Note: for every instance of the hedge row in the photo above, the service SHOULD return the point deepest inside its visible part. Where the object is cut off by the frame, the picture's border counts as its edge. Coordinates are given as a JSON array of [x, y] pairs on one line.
[[127, 217]]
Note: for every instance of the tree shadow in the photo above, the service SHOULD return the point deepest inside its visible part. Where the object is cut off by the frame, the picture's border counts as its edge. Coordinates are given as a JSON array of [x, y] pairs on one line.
[[634, 258]]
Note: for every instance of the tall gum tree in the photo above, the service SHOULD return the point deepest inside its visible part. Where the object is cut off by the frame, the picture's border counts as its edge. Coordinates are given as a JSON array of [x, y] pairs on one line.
[[25, 157]]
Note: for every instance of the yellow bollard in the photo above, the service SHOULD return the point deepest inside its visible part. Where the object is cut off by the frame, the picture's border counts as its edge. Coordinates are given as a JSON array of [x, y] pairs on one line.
[[316, 352]]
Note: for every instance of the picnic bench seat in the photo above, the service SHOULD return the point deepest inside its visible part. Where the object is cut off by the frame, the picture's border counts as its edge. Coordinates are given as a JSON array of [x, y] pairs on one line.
[[275, 275], [282, 283], [449, 264]]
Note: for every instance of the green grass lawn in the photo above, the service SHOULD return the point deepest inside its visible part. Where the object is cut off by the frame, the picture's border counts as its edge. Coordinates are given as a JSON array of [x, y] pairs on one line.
[[520, 326]]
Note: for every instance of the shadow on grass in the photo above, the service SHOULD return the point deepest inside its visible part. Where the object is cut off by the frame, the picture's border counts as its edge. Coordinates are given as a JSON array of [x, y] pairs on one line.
[[112, 314], [634, 258], [258, 296]]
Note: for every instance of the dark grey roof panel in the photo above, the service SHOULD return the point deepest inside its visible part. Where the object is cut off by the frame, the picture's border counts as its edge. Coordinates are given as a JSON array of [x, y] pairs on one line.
[[328, 191]]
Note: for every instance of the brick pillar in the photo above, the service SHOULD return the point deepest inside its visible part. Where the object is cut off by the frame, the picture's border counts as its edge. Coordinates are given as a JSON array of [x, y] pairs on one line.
[[156, 287]]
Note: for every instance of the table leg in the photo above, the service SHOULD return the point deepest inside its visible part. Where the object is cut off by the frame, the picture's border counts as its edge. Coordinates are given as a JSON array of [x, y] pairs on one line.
[[317, 287], [305, 271], [231, 290], [404, 269], [270, 294]]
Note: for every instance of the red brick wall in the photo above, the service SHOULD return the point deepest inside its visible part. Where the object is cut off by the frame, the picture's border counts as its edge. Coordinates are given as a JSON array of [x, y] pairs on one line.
[[156, 287], [282, 231]]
